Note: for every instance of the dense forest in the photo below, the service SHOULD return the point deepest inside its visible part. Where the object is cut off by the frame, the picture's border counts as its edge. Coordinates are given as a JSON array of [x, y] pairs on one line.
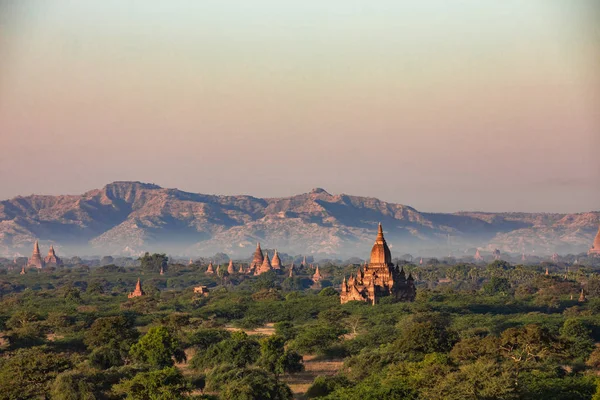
[[494, 330]]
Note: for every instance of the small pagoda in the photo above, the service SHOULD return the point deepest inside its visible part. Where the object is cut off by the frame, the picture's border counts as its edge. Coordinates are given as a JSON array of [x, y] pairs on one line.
[[276, 262], [52, 258], [35, 260], [265, 266], [138, 292]]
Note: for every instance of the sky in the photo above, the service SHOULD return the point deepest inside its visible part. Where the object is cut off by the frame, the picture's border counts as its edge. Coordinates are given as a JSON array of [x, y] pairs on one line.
[[440, 105]]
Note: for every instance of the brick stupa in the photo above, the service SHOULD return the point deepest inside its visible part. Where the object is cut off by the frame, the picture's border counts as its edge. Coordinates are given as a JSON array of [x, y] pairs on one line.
[[595, 249], [276, 262], [265, 266], [138, 292], [210, 269], [317, 276], [35, 260], [257, 259], [230, 268], [52, 258]]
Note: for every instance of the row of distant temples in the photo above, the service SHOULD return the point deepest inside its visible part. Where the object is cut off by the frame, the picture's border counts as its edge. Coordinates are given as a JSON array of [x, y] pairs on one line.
[[262, 263], [379, 278]]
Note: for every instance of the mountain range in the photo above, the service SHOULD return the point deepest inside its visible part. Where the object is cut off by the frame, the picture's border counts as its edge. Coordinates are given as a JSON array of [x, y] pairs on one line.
[[131, 217]]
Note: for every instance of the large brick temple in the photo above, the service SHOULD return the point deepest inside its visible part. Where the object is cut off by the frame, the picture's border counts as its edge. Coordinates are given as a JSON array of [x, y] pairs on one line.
[[379, 278]]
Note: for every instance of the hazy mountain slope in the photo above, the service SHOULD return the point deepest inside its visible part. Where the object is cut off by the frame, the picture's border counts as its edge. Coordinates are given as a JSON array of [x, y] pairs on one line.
[[143, 216]]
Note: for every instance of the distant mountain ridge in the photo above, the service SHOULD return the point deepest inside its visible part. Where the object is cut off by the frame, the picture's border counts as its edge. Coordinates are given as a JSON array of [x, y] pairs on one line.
[[134, 216]]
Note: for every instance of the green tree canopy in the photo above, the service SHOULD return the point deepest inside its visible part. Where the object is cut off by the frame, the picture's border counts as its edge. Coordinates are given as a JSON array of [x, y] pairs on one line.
[[154, 262], [157, 348], [163, 384]]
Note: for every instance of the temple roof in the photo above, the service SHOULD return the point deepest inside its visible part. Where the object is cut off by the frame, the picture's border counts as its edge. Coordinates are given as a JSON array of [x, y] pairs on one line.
[[380, 253]]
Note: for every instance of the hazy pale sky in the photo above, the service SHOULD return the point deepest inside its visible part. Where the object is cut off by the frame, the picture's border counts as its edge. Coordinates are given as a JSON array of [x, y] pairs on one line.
[[441, 105]]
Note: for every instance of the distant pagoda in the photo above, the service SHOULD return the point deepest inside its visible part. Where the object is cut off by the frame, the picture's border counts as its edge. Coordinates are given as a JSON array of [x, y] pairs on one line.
[[257, 259], [230, 268], [595, 249], [138, 292], [35, 261], [276, 262], [265, 266], [317, 276], [210, 269], [52, 258]]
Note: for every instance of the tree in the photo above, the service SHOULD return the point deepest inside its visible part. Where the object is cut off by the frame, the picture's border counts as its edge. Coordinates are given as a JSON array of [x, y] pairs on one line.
[[578, 337], [527, 346], [157, 348], [163, 384], [109, 338], [316, 338], [470, 349], [28, 373], [323, 385], [274, 358], [285, 329], [255, 384], [238, 350], [72, 385], [95, 287], [154, 262], [328, 291], [497, 285], [106, 260], [426, 333], [483, 379], [26, 330]]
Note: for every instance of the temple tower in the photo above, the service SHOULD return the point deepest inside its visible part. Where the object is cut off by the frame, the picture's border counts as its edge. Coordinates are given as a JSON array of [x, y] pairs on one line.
[[230, 269], [276, 262], [378, 278], [257, 259], [582, 298], [52, 258], [265, 266], [210, 269], [595, 249], [317, 276], [36, 258], [138, 290]]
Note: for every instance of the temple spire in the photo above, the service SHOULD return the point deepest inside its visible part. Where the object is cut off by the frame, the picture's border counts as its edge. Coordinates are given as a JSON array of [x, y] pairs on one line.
[[380, 237], [595, 249]]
